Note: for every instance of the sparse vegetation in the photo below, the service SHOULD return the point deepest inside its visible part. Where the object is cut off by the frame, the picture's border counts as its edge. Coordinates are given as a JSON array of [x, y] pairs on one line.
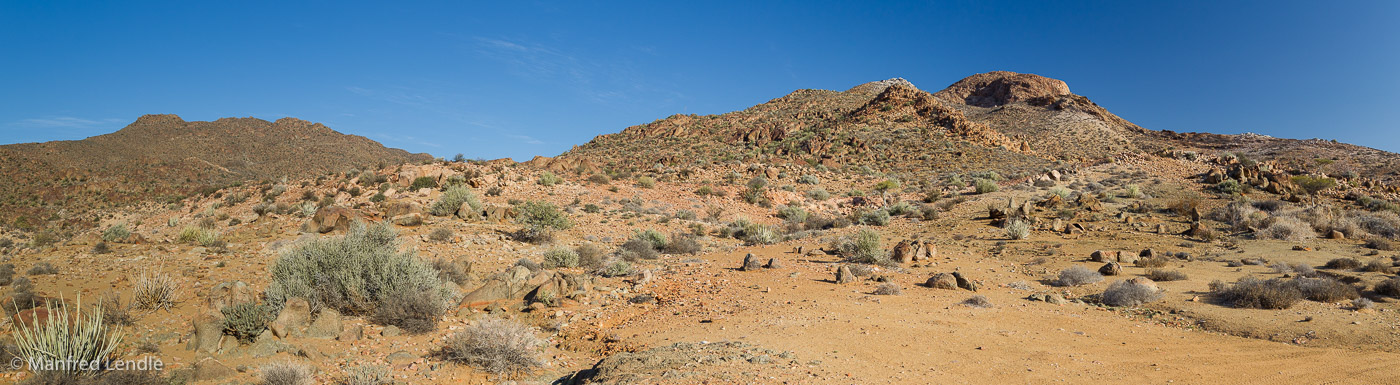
[[561, 257], [245, 321], [116, 233], [412, 310], [887, 288], [496, 346], [71, 333], [1250, 292], [451, 201], [1160, 275], [1078, 276], [154, 290], [1018, 230], [285, 373], [353, 273], [541, 220], [983, 186], [862, 247], [1126, 294], [548, 179]]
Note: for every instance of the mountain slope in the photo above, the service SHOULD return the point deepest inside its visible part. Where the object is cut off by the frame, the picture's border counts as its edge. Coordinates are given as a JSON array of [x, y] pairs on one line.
[[162, 156], [999, 120]]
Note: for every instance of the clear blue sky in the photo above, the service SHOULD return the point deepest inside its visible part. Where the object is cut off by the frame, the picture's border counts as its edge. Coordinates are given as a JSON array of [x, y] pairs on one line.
[[517, 79]]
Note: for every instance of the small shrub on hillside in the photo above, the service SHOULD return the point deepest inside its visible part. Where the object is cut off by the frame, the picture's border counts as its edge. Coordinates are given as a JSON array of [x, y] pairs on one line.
[[1389, 287], [1159, 275], [451, 200], [1325, 289], [1124, 294], [422, 182], [413, 311], [1287, 229], [43, 268], [656, 239], [549, 179], [1383, 266], [637, 249], [1377, 243], [792, 213], [116, 313], [1018, 230], [984, 186], [284, 373], [886, 185], [900, 208], [441, 234], [599, 179], [818, 194], [1250, 292], [560, 257], [153, 291], [1229, 186], [1077, 275], [682, 243], [615, 267], [494, 191], [541, 219], [861, 247], [245, 321], [368, 375], [495, 345], [590, 256], [1314, 184], [7, 274], [1343, 263], [808, 179], [646, 182], [116, 233], [873, 217]]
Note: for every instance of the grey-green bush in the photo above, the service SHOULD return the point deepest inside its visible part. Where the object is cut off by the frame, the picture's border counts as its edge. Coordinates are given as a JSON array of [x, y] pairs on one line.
[[451, 200], [496, 346], [352, 273]]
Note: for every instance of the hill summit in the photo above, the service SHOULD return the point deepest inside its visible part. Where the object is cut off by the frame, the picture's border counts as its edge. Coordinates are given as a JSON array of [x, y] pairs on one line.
[[165, 156]]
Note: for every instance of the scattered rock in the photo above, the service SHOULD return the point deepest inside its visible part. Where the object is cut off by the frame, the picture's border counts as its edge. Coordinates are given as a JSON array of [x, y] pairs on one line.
[[391, 331], [942, 281], [228, 294], [1111, 268], [208, 332], [326, 326], [964, 283], [293, 320], [751, 263], [773, 263], [351, 334], [1336, 235], [844, 275], [334, 218], [209, 369]]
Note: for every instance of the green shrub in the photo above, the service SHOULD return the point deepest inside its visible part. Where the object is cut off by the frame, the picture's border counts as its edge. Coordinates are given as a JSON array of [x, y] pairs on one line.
[[591, 208], [116, 233], [886, 185], [541, 219], [1229, 186], [818, 194], [352, 273], [900, 208], [451, 200], [1314, 184], [441, 234], [646, 182], [422, 182], [245, 321], [616, 268], [756, 234], [873, 217], [560, 257], [549, 179], [862, 247], [71, 333], [599, 179], [984, 186], [792, 213], [656, 239], [378, 197], [808, 179]]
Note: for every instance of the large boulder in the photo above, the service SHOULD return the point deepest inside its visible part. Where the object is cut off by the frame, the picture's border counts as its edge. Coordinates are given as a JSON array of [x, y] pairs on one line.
[[751, 263], [942, 281], [395, 209], [293, 320], [510, 284], [903, 252], [1111, 268], [497, 213], [844, 275], [334, 218], [326, 326], [208, 332]]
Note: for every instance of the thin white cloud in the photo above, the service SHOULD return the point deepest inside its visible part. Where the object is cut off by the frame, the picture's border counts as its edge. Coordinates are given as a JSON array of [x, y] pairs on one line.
[[64, 122], [526, 139]]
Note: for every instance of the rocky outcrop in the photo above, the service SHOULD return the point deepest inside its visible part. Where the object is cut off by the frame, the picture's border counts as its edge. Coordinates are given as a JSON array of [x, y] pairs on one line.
[[333, 218], [997, 88]]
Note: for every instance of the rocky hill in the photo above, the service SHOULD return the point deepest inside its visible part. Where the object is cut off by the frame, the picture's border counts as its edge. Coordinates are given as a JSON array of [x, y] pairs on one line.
[[162, 157], [998, 120]]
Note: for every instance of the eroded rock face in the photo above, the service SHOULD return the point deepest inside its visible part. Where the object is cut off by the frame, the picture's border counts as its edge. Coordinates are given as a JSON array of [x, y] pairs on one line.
[[334, 218], [997, 88]]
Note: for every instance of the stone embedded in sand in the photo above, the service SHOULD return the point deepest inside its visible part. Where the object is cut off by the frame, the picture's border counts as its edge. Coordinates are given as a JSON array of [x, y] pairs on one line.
[[209, 369], [413, 219], [942, 281], [773, 263], [208, 331], [751, 263], [1336, 235], [903, 252], [963, 282], [1111, 268], [1089, 202], [844, 275]]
